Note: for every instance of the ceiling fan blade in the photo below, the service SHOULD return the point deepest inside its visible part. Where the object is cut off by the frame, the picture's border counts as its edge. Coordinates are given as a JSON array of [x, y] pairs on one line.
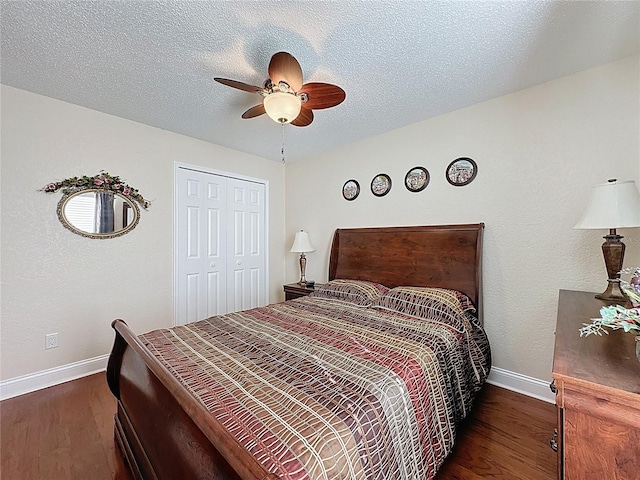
[[254, 111], [304, 118], [283, 67], [239, 85], [322, 95]]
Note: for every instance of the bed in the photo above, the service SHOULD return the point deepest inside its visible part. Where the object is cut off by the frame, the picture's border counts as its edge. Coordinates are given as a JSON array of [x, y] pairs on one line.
[[356, 381]]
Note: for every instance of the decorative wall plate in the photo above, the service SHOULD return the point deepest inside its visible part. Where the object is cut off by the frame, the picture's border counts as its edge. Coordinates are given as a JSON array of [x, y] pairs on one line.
[[350, 190], [461, 171], [416, 179], [381, 184]]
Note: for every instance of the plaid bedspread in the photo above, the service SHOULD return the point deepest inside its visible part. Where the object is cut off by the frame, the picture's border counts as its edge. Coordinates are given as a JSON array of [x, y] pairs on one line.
[[323, 389]]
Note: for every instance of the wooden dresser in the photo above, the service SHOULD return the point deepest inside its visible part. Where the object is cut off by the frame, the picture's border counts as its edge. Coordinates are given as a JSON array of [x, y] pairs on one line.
[[597, 382]]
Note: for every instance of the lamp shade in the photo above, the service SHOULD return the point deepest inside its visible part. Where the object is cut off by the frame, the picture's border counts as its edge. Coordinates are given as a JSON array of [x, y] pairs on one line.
[[302, 243], [282, 107], [612, 205]]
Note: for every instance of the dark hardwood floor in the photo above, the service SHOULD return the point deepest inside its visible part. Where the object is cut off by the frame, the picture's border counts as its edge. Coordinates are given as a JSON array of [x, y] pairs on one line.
[[61, 433], [66, 432], [506, 436]]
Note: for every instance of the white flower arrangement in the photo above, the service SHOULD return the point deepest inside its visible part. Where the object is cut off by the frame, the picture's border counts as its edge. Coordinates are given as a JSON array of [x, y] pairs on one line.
[[617, 317]]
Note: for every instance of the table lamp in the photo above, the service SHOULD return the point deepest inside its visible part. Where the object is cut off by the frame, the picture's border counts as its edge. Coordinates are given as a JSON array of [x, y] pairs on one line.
[[612, 205], [302, 244]]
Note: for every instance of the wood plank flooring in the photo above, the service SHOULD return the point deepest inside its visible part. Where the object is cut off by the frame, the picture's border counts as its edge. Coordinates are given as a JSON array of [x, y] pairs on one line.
[[506, 436], [66, 432], [61, 433]]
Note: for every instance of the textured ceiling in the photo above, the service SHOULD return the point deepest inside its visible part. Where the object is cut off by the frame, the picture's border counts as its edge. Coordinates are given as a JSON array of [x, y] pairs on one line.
[[399, 62]]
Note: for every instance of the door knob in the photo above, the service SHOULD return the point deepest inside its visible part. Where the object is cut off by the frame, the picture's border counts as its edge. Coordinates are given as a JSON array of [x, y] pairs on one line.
[[238, 263]]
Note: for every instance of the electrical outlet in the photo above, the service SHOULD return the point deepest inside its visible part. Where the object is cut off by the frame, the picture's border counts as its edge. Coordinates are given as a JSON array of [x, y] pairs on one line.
[[51, 340]]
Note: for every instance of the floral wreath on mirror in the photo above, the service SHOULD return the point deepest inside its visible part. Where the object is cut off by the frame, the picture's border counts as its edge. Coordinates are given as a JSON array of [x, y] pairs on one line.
[[103, 181]]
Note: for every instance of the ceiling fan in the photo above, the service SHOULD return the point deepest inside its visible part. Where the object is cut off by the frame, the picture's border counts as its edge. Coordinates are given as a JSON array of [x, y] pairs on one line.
[[286, 98]]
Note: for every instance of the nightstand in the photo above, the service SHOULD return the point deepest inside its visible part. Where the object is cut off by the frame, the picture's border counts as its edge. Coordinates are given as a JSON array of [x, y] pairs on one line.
[[295, 290]]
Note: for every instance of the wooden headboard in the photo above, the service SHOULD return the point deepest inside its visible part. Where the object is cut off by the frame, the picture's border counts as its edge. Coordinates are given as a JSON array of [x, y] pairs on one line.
[[446, 256]]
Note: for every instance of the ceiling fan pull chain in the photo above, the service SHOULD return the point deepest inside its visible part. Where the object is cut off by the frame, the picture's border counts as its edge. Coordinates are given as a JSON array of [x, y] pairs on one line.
[[282, 151]]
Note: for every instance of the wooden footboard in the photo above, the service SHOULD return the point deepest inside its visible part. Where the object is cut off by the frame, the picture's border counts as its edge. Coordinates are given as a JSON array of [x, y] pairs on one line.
[[161, 429]]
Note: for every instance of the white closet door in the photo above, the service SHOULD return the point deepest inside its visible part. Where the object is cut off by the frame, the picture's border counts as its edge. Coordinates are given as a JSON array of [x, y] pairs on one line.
[[220, 251], [246, 275], [201, 223]]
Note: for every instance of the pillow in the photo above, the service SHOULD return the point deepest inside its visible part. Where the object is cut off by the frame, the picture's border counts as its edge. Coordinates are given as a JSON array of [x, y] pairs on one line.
[[359, 292], [421, 301]]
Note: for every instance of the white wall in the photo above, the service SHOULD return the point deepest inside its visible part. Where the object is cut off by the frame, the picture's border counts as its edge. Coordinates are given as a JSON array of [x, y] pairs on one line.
[[56, 281], [539, 153]]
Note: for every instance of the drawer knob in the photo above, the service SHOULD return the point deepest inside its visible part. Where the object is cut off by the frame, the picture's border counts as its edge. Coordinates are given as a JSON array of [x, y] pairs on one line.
[[553, 441], [553, 387]]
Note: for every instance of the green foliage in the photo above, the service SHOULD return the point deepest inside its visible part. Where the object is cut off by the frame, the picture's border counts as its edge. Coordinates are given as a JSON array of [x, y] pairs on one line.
[[616, 317]]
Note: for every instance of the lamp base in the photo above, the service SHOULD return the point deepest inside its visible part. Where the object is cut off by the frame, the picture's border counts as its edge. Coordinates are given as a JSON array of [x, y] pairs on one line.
[[613, 293], [303, 267], [613, 251]]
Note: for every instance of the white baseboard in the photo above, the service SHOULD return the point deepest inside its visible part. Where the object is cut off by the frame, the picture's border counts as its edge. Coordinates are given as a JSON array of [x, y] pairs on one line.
[[53, 376], [13, 387], [517, 382]]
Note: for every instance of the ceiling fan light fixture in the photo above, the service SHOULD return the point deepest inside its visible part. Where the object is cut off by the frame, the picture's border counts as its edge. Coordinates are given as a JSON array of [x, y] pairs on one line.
[[284, 93], [282, 107]]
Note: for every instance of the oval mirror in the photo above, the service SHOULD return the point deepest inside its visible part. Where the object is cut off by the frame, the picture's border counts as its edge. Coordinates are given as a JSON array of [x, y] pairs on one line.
[[97, 213]]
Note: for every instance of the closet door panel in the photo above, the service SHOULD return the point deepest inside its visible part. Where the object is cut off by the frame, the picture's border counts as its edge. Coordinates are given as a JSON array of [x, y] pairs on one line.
[[247, 202], [201, 254], [192, 297]]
